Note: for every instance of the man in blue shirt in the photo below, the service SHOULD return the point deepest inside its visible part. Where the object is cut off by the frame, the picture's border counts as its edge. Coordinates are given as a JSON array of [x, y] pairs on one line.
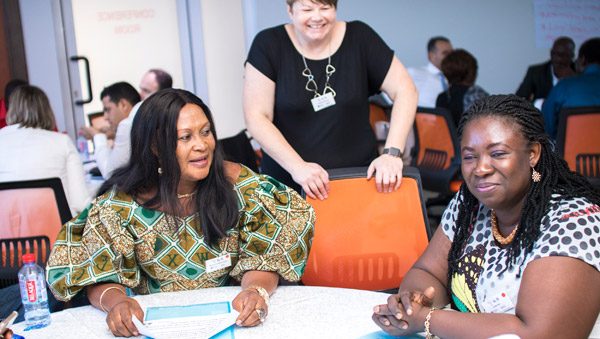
[[576, 91]]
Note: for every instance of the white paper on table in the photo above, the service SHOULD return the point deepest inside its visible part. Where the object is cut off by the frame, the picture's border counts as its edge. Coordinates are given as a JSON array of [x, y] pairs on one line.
[[186, 327]]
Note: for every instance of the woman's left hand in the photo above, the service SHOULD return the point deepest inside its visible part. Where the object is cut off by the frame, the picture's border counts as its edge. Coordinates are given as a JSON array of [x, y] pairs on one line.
[[252, 307], [405, 312], [388, 172]]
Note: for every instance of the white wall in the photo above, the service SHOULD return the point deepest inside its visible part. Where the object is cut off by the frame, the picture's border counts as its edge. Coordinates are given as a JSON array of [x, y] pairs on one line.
[[500, 34], [44, 59], [225, 52]]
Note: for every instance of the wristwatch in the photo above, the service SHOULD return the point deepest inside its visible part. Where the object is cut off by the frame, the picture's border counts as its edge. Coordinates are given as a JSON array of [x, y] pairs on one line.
[[393, 151], [262, 292]]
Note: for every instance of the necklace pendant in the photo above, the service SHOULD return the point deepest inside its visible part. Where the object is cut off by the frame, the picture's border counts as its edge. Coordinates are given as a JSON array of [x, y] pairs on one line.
[[329, 69], [307, 73], [311, 86], [328, 89]]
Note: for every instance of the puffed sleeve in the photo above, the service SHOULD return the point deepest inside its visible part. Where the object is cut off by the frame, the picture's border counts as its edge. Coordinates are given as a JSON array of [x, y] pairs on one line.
[[276, 228], [94, 247]]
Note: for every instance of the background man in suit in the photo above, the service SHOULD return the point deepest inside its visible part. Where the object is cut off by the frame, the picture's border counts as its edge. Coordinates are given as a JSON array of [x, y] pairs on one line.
[[576, 91], [540, 78]]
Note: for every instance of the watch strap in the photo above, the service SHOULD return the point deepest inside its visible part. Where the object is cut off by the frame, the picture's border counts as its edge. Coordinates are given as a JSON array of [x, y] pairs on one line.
[[393, 151]]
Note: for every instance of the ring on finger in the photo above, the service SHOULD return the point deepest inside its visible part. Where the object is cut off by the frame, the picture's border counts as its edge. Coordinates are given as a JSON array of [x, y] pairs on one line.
[[261, 314]]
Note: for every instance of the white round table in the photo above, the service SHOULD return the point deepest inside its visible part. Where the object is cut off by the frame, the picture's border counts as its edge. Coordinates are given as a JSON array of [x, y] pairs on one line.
[[295, 312]]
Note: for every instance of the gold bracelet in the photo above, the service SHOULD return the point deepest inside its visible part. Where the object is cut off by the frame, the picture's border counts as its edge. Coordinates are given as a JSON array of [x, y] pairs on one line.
[[104, 292], [262, 292], [428, 334]]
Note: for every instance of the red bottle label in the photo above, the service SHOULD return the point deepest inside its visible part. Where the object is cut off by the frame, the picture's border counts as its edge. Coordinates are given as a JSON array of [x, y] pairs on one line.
[[31, 291]]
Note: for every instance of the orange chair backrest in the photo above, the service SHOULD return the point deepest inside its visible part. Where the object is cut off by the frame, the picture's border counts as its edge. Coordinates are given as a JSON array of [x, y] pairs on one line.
[[365, 239], [29, 212], [582, 136], [376, 113], [435, 141]]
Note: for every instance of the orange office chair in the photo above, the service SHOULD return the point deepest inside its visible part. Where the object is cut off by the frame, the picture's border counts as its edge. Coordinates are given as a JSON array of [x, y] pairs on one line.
[[13, 249], [376, 113], [437, 154], [578, 141], [365, 239], [32, 208]]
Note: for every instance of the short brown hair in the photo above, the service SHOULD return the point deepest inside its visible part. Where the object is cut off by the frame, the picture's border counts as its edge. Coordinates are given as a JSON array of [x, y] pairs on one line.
[[324, 2], [460, 67], [29, 107]]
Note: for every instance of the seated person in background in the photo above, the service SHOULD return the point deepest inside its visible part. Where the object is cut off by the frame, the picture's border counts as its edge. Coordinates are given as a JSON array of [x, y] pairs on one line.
[[118, 100], [176, 191], [153, 81], [576, 91], [8, 89], [516, 251], [539, 79], [429, 80], [31, 149], [460, 67]]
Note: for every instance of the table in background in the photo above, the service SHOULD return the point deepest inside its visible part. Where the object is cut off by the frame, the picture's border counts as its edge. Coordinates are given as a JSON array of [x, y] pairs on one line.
[[295, 312]]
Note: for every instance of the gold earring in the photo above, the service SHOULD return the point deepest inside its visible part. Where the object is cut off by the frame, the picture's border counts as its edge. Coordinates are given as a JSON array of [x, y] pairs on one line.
[[160, 171], [535, 175]]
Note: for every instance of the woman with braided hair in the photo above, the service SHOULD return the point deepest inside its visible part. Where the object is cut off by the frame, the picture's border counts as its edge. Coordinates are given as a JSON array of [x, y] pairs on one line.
[[517, 250]]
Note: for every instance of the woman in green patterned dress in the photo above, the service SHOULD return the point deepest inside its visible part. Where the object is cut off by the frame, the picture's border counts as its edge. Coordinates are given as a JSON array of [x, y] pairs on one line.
[[179, 217]]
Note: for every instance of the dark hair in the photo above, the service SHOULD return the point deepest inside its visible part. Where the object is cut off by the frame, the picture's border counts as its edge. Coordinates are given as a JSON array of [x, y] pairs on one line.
[[153, 145], [431, 43], [564, 40], [324, 2], [460, 67], [590, 51], [163, 78], [10, 87], [121, 90], [556, 179]]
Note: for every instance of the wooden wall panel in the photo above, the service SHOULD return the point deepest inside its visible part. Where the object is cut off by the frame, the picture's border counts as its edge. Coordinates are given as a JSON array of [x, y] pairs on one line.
[[12, 51]]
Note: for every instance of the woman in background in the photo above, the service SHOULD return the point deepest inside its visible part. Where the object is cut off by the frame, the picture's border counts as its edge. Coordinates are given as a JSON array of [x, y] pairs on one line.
[[460, 68], [31, 149]]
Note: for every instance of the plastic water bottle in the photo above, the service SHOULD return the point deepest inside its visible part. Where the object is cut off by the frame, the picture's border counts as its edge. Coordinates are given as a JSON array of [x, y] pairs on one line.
[[32, 282], [82, 147]]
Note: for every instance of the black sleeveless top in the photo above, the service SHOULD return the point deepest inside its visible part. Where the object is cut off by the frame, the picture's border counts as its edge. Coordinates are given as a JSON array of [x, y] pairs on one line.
[[337, 136]]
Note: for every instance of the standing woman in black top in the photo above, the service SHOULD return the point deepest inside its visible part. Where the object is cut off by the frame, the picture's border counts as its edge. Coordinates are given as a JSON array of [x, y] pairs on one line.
[[306, 90]]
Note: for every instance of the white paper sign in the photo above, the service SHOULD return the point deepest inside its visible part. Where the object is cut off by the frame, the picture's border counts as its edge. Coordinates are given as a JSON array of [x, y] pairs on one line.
[[323, 101], [218, 263]]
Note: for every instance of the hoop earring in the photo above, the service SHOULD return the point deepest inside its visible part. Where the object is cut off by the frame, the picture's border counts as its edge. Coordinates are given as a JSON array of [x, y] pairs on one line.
[[535, 175]]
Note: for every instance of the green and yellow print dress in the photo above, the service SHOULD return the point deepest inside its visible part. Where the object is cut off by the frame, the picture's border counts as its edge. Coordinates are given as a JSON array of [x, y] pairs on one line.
[[117, 240]]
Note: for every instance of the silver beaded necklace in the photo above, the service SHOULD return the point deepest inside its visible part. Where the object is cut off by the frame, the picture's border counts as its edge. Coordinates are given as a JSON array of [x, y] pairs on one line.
[[311, 84]]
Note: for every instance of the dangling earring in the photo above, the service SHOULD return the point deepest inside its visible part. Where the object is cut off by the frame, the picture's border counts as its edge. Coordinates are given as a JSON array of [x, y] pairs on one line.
[[535, 175], [160, 171]]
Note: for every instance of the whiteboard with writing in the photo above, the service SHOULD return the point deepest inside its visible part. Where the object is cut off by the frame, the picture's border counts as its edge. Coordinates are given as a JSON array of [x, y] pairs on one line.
[[578, 19]]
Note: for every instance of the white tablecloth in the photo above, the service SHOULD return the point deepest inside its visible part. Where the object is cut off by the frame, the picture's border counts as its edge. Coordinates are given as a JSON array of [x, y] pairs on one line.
[[295, 312]]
